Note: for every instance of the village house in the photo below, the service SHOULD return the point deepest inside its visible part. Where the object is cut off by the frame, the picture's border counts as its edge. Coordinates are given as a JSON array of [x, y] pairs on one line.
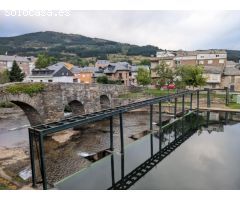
[[213, 75], [118, 71], [231, 77], [201, 57], [102, 63], [84, 74], [156, 61], [54, 73], [134, 72], [26, 64]]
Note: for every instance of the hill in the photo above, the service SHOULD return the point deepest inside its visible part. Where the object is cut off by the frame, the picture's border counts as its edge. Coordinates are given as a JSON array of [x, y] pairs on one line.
[[59, 44]]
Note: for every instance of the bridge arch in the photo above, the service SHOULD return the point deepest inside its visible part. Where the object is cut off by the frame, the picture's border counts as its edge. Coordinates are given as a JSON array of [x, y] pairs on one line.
[[77, 107], [105, 102], [32, 114]]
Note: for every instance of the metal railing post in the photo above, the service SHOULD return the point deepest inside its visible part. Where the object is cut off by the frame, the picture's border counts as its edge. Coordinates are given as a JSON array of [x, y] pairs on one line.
[[198, 100], [111, 133], [191, 97], [175, 108], [151, 128], [121, 132], [160, 126], [227, 96], [183, 104], [42, 159], [32, 157], [208, 98]]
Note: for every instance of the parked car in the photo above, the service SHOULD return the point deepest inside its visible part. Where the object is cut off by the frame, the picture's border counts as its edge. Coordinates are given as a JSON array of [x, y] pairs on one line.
[[170, 87]]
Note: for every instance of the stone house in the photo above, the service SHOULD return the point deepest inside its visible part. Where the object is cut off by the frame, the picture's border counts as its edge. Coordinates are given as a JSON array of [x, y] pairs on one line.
[[102, 63], [156, 61], [201, 57], [213, 74], [231, 77], [118, 71], [26, 64]]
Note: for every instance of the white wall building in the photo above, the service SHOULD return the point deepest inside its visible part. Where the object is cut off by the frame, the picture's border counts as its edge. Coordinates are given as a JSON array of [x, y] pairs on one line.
[[54, 73]]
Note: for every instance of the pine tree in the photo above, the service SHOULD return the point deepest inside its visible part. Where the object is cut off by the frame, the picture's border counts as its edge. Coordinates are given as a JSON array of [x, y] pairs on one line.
[[16, 74]]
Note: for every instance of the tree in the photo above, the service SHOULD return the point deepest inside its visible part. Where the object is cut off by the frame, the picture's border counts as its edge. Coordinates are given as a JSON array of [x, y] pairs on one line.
[[16, 74], [4, 77], [145, 62], [190, 75], [102, 79], [43, 61], [165, 73], [143, 76]]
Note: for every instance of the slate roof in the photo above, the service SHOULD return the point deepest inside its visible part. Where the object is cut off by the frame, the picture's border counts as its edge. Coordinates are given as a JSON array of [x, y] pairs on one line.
[[213, 69], [103, 62], [77, 70], [51, 70], [231, 71], [112, 68], [17, 58]]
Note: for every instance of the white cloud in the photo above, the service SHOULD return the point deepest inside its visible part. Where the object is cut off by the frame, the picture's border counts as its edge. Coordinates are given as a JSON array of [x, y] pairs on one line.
[[165, 29]]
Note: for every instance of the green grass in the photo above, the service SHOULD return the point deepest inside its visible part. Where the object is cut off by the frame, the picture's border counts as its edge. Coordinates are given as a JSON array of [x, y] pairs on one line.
[[234, 106], [146, 93], [158, 92]]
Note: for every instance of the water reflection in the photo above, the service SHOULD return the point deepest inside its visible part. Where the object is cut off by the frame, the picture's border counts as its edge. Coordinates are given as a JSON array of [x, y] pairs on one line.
[[203, 162]]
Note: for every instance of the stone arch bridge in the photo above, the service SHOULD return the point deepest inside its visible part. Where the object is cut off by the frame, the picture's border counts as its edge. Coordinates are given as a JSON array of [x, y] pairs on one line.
[[49, 105]]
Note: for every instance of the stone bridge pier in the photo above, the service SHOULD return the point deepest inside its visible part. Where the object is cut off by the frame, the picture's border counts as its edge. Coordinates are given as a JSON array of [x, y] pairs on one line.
[[48, 105]]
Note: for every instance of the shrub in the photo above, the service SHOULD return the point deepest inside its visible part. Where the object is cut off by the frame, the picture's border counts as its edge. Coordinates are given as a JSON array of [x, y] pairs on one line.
[[30, 89]]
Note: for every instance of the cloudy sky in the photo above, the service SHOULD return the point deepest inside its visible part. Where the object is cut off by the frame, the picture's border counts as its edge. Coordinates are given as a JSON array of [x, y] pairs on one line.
[[189, 30]]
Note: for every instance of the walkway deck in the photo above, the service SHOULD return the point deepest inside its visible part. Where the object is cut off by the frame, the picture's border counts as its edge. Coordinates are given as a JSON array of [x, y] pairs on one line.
[[219, 109]]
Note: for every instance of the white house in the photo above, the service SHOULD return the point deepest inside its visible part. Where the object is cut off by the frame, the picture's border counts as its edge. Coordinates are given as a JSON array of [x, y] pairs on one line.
[[54, 73]]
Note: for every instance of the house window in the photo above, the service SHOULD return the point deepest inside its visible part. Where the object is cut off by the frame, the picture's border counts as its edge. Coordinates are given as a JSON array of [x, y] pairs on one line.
[[232, 79], [210, 61], [31, 80], [221, 61], [120, 75], [49, 80], [201, 62], [40, 80], [217, 55]]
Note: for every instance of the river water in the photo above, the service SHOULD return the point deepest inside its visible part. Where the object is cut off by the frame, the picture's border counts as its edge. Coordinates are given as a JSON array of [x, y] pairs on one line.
[[208, 159], [13, 131]]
